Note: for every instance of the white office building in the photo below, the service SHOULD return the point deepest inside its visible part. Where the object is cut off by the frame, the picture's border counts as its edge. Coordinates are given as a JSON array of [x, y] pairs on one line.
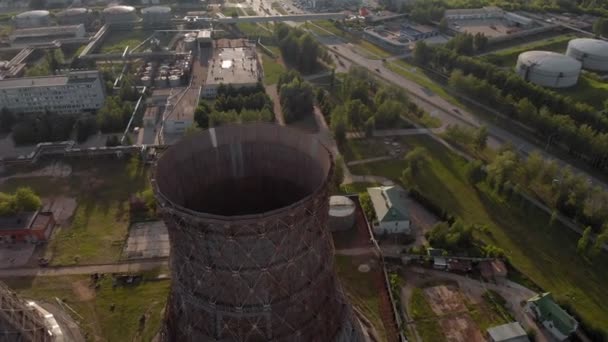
[[74, 92]]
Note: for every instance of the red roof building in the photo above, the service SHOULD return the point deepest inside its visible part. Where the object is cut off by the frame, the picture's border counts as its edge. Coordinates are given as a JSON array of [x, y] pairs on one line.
[[26, 227], [493, 269], [364, 12]]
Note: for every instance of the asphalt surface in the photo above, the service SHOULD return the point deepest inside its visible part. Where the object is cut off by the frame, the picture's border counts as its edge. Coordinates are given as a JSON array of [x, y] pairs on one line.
[[125, 267]]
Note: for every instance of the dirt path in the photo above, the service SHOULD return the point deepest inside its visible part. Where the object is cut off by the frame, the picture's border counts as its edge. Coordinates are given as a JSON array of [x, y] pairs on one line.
[[271, 90], [135, 266]]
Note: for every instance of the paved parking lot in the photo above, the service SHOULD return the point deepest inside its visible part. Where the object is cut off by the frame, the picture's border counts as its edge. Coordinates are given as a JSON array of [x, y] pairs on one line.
[[147, 240]]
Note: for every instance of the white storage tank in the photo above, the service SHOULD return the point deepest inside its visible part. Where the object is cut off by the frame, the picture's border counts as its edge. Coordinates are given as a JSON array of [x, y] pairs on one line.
[[73, 16], [156, 15], [119, 14], [32, 19], [341, 213], [548, 69], [593, 53]]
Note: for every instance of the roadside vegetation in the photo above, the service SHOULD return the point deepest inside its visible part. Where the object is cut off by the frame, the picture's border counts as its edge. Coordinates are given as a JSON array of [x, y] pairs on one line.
[[425, 319]]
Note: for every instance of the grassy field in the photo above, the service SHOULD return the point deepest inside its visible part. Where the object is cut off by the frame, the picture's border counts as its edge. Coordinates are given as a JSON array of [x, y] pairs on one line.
[[374, 50], [357, 149], [588, 90], [99, 322], [508, 57], [426, 325], [101, 220], [326, 25], [413, 73], [116, 43], [272, 69], [547, 255], [361, 291]]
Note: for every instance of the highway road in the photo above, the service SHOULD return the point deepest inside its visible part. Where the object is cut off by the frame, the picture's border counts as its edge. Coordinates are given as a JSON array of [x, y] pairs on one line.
[[437, 106], [448, 113]]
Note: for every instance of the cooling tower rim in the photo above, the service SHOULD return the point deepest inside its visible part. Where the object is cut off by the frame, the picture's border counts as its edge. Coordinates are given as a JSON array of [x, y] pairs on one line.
[[167, 205]]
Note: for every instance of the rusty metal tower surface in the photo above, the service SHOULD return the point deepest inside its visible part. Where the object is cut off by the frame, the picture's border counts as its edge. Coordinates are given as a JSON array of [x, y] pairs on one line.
[[251, 255]]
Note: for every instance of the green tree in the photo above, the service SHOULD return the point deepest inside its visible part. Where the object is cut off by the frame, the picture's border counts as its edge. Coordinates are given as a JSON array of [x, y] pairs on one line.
[[368, 207], [480, 138], [443, 25], [201, 115], [600, 27], [85, 127], [600, 240], [422, 53], [583, 242], [415, 160]]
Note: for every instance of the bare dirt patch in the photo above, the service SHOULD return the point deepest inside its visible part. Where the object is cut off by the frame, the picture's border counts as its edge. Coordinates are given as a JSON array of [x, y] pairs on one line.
[[83, 291], [445, 299], [460, 328]]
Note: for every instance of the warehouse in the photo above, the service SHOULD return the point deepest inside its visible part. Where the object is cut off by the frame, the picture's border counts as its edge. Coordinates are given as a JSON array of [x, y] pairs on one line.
[[548, 69], [75, 92], [36, 35], [32, 19], [593, 53]]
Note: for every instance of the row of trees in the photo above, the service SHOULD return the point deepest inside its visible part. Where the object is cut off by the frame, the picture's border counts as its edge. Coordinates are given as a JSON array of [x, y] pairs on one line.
[[509, 84], [43, 127], [24, 199], [576, 127], [296, 96], [559, 188], [468, 44], [298, 48], [234, 106], [114, 115]]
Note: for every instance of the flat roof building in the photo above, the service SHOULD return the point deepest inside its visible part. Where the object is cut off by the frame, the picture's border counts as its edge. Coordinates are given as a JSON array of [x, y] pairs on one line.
[[237, 66], [391, 210], [31, 227], [510, 332], [487, 12], [74, 92]]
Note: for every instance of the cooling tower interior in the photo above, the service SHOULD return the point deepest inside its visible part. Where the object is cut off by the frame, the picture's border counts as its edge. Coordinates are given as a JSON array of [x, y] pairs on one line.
[[252, 258]]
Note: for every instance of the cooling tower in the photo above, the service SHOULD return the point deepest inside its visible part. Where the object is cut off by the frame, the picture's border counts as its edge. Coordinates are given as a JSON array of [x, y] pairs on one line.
[[251, 255]]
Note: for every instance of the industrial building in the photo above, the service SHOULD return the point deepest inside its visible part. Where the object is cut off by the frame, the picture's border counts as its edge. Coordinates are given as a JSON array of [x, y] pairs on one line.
[[204, 38], [392, 215], [593, 53], [73, 16], [548, 69], [488, 12], [551, 316], [30, 227], [237, 65], [510, 332], [156, 15], [341, 213], [251, 255], [74, 92], [119, 15], [32, 19], [45, 35]]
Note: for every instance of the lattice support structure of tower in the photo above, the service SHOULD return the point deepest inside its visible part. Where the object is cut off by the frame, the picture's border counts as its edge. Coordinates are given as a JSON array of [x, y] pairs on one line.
[[251, 255], [20, 321]]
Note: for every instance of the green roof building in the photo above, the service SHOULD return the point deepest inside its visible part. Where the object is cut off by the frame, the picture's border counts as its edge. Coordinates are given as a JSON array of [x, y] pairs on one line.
[[555, 319], [391, 210]]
